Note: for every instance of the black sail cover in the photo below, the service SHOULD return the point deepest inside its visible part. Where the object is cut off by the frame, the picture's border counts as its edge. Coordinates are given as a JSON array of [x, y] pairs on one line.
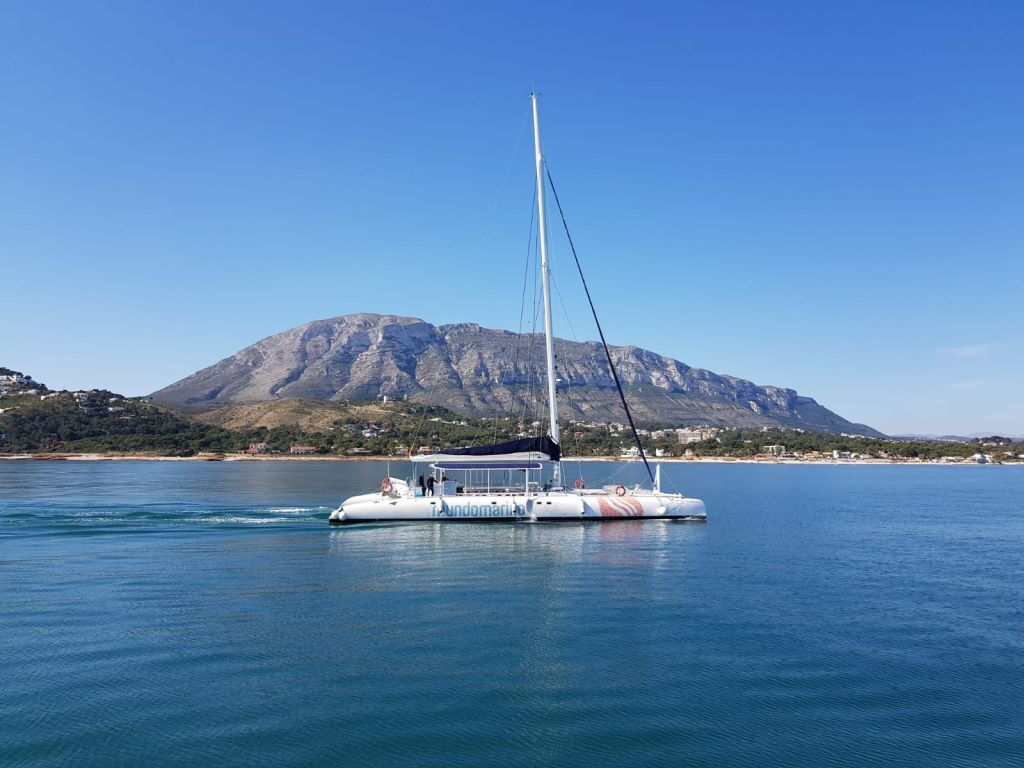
[[526, 445]]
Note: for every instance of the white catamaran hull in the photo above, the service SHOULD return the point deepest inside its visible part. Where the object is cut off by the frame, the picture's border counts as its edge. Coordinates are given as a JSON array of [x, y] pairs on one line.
[[557, 506]]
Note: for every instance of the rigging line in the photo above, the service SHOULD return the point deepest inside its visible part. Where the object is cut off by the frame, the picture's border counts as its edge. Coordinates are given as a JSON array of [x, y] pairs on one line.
[[501, 189], [609, 477], [667, 476], [554, 369], [568, 380], [522, 309], [604, 408], [532, 377], [490, 221], [540, 376], [607, 353], [601, 407], [487, 229], [533, 408], [522, 306], [565, 311], [482, 428], [568, 400], [418, 434], [575, 432]]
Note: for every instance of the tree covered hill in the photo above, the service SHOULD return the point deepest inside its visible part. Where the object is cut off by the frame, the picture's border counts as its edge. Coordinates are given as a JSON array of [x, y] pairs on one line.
[[35, 419], [100, 420]]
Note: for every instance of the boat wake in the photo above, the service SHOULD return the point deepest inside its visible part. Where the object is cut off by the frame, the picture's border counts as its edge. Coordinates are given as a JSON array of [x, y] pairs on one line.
[[62, 519]]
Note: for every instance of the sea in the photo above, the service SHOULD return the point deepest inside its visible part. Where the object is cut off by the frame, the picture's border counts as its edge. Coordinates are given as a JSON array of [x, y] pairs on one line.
[[204, 613]]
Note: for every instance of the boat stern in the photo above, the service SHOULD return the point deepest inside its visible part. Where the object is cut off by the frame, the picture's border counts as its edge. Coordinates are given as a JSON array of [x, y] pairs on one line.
[[340, 516]]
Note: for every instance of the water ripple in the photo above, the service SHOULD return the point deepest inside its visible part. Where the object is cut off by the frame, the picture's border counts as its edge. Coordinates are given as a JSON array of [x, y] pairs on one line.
[[821, 618]]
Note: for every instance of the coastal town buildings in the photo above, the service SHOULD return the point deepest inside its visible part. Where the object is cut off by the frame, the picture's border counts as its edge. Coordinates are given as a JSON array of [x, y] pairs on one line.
[[10, 382], [686, 435]]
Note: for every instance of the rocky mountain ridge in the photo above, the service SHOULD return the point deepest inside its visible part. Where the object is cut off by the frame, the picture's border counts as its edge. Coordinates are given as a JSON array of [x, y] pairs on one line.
[[484, 372]]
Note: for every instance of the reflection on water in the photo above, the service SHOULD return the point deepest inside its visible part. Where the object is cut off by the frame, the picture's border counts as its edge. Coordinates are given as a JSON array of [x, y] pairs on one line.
[[638, 543]]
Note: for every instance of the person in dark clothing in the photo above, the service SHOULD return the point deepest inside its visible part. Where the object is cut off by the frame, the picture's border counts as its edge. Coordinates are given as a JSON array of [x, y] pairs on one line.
[[430, 486], [423, 486]]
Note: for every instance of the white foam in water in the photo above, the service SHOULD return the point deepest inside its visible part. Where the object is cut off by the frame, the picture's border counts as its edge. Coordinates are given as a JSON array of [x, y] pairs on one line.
[[247, 520]]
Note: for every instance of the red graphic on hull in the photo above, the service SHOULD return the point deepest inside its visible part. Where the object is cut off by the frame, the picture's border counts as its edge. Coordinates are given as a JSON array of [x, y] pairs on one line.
[[619, 506]]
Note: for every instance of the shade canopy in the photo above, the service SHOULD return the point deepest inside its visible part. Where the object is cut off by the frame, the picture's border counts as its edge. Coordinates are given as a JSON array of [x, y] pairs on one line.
[[488, 465], [528, 449]]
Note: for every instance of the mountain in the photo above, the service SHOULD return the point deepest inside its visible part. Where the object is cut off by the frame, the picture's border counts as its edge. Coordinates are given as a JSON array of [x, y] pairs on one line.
[[991, 436], [483, 372]]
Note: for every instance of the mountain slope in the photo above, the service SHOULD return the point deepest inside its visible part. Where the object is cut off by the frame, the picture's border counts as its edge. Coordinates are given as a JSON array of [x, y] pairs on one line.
[[479, 372]]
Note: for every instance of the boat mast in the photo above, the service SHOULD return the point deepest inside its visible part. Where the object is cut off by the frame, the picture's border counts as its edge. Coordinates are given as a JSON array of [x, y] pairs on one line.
[[545, 276]]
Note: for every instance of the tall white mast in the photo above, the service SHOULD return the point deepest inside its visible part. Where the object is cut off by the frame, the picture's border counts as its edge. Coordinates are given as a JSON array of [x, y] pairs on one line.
[[549, 348]]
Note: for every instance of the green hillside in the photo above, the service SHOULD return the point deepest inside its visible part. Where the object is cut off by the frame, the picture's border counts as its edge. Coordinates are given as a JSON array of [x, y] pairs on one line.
[[35, 419]]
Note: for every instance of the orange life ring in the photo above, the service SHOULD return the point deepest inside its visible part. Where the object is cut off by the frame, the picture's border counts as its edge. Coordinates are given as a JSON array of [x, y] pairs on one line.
[[620, 490], [579, 483], [385, 485]]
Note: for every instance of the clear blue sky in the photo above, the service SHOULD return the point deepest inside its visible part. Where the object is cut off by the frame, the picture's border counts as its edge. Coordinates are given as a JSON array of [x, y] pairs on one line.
[[828, 197]]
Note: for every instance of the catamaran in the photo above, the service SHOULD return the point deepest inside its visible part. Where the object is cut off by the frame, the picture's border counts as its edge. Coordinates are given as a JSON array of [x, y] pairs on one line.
[[520, 480]]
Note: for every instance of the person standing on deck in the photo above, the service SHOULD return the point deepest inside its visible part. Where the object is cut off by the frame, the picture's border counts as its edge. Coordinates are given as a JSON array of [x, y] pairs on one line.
[[423, 486], [430, 486]]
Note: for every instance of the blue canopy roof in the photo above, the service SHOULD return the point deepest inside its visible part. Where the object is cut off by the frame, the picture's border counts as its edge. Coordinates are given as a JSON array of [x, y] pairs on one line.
[[525, 449]]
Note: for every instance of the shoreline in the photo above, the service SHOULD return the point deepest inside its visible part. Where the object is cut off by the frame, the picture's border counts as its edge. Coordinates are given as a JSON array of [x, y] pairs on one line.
[[404, 460]]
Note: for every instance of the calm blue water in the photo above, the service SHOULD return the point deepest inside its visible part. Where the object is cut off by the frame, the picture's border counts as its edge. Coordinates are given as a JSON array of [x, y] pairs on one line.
[[204, 613]]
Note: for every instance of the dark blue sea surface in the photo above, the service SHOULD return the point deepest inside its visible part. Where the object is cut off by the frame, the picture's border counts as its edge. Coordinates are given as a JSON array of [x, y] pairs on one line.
[[171, 614]]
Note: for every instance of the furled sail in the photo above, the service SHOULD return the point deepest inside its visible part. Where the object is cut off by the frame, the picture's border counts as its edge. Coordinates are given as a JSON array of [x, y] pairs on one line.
[[525, 449]]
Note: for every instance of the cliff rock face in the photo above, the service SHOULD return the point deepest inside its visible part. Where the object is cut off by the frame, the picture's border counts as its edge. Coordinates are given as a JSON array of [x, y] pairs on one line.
[[484, 372]]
